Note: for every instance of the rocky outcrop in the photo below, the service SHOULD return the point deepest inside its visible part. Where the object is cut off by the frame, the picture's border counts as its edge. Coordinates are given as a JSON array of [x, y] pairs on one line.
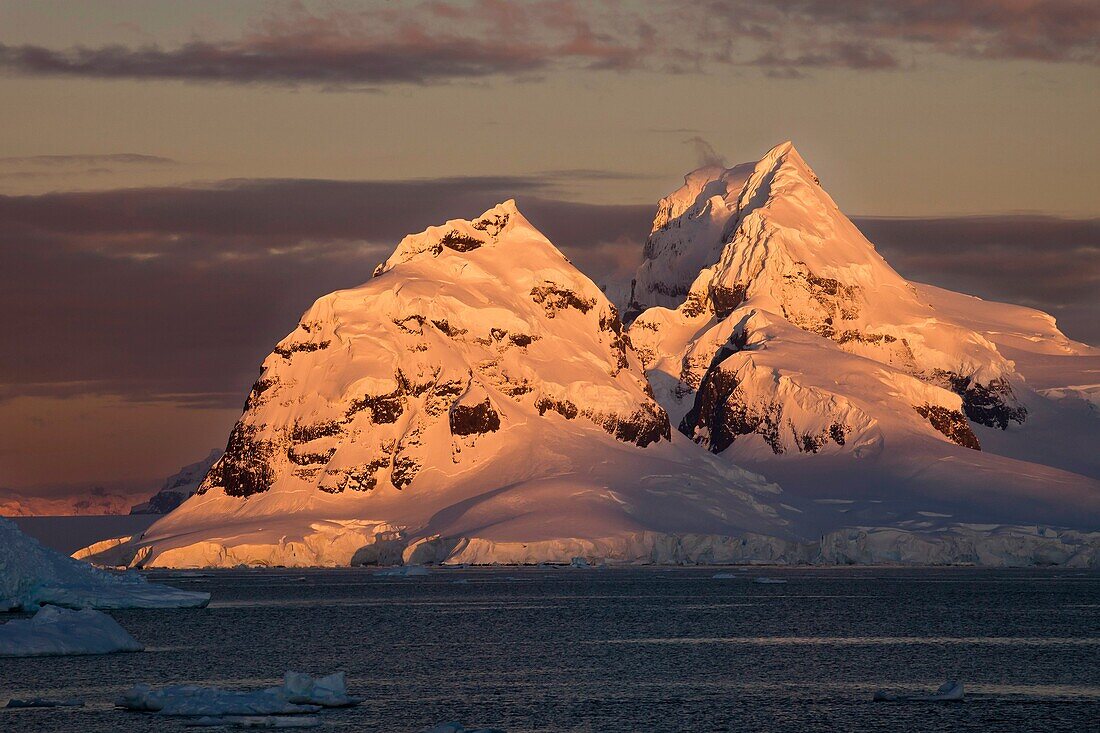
[[951, 423]]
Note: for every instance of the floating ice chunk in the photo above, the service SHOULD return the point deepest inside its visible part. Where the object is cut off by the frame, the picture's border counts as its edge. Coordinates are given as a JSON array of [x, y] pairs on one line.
[[949, 691], [193, 700], [330, 691], [763, 580], [403, 571], [724, 576], [32, 575], [454, 727], [45, 702], [299, 693], [579, 562], [57, 631]]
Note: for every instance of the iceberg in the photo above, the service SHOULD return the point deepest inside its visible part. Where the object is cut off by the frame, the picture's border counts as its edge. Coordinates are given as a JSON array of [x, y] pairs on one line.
[[950, 691], [33, 575], [57, 631], [330, 691], [763, 580], [299, 693]]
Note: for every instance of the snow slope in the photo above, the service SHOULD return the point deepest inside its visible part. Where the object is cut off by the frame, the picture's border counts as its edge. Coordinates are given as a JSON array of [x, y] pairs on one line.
[[797, 351], [478, 391]]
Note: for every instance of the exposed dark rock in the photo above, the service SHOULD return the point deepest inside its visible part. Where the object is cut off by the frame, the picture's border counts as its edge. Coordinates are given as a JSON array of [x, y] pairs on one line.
[[694, 305], [565, 408], [522, 339], [384, 409], [256, 396], [620, 340], [951, 423], [305, 433], [515, 390], [415, 385], [309, 458], [460, 242], [442, 395], [288, 350], [725, 300], [474, 419], [247, 466], [404, 471], [719, 415], [993, 405], [413, 324], [554, 298], [492, 225], [646, 425], [360, 478], [447, 328]]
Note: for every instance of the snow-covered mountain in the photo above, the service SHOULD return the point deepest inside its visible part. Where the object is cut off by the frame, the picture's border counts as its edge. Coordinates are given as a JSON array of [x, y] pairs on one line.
[[178, 487], [796, 350], [480, 400], [477, 397]]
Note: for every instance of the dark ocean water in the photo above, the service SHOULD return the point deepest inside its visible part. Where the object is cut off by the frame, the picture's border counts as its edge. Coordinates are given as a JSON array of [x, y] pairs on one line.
[[542, 649]]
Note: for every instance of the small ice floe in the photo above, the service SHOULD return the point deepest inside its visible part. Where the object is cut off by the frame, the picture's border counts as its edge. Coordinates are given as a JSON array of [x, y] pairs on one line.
[[402, 571], [299, 693], [579, 562], [57, 631], [764, 580], [254, 721], [724, 576], [454, 727], [949, 691], [45, 702], [460, 581]]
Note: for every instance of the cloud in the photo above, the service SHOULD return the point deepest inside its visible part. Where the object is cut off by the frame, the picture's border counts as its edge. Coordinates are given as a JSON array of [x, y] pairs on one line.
[[422, 43], [82, 160], [705, 153], [440, 42], [176, 294], [1044, 262]]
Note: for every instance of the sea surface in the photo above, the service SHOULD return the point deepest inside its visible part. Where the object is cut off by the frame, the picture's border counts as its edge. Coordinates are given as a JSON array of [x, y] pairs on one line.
[[646, 649]]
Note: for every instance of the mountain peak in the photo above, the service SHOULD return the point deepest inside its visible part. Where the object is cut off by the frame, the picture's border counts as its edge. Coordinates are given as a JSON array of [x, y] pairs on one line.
[[458, 237]]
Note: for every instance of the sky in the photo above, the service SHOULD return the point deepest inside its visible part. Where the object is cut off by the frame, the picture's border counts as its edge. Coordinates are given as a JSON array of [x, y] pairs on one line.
[[179, 181]]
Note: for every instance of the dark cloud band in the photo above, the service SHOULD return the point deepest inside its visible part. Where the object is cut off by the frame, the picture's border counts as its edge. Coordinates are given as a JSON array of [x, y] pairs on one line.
[[176, 294], [416, 43]]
